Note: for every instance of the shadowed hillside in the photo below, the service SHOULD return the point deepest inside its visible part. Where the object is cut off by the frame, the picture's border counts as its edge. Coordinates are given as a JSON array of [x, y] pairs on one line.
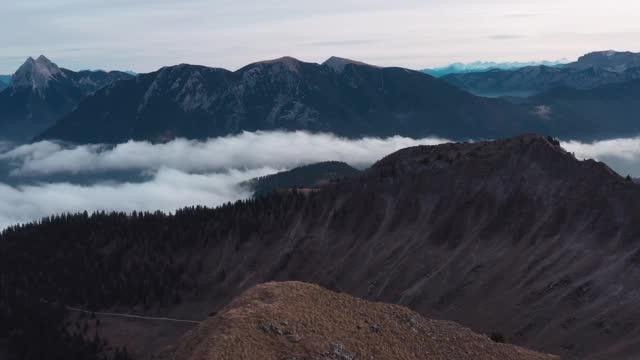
[[513, 236], [308, 176]]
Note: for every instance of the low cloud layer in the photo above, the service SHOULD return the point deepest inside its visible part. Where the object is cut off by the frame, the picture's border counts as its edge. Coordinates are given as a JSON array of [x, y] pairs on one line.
[[182, 172], [168, 190], [244, 151], [622, 155]]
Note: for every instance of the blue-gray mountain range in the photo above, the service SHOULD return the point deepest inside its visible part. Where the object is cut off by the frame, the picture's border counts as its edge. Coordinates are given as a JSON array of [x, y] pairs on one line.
[[590, 71], [40, 92]]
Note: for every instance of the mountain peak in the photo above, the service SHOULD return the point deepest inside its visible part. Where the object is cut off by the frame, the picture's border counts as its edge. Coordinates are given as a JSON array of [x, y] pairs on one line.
[[616, 61], [288, 62], [338, 64], [35, 74]]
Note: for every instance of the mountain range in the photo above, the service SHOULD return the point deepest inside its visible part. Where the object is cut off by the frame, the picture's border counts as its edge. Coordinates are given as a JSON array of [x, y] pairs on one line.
[[340, 96], [482, 66], [607, 111], [353, 99], [514, 237], [590, 71], [40, 92]]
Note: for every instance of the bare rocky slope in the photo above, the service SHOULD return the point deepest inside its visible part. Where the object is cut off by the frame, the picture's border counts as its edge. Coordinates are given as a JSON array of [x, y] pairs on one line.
[[512, 236], [300, 321]]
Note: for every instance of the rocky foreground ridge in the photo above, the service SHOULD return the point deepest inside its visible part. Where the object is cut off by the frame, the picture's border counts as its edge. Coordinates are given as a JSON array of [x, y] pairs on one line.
[[294, 320]]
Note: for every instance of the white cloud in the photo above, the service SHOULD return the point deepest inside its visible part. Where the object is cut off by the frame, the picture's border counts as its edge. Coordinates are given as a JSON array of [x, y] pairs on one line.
[[169, 190], [244, 151], [184, 172], [623, 155]]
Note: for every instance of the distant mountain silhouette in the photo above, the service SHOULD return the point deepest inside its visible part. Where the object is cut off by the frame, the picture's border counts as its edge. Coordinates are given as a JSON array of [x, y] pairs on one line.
[[590, 71], [604, 112], [614, 61], [341, 96], [481, 66], [308, 176], [40, 92]]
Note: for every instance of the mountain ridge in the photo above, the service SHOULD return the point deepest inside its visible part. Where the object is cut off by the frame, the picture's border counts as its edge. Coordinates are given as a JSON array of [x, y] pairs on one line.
[[285, 94], [479, 66], [589, 71], [40, 92], [514, 236]]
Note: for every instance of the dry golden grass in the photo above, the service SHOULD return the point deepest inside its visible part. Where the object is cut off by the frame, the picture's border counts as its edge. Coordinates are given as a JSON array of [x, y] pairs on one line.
[[295, 320]]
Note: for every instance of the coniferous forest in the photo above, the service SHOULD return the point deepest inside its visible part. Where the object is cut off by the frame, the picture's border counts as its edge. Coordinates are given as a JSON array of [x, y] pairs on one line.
[[101, 260]]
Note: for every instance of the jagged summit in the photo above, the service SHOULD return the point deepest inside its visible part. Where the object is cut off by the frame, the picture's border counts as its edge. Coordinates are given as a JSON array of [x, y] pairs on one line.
[[35, 74], [40, 92], [338, 64]]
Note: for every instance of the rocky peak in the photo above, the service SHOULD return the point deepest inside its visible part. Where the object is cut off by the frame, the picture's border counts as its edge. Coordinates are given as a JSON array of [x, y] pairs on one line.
[[608, 60], [338, 64], [35, 74], [286, 62]]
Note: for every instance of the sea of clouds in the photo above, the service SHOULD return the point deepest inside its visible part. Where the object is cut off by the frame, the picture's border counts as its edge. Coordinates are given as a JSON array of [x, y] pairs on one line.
[[185, 172], [180, 173]]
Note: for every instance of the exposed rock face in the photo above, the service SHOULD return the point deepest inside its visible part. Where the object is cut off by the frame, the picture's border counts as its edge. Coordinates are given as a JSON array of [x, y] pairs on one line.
[[301, 321], [344, 97], [40, 92], [36, 74]]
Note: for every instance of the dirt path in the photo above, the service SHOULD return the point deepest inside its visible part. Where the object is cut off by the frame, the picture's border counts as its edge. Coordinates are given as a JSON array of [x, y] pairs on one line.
[[131, 316]]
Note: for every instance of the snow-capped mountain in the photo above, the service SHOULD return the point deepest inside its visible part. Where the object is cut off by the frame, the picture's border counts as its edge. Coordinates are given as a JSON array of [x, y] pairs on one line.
[[40, 92]]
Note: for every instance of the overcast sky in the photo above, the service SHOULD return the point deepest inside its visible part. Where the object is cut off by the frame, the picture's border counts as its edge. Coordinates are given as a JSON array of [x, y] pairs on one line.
[[143, 35]]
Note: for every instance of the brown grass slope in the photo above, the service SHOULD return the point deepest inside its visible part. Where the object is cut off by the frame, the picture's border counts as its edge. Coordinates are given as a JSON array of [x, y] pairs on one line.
[[294, 320]]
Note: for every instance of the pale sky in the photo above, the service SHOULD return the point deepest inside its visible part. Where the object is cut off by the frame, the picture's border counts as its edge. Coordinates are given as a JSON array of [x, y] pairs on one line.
[[143, 35]]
